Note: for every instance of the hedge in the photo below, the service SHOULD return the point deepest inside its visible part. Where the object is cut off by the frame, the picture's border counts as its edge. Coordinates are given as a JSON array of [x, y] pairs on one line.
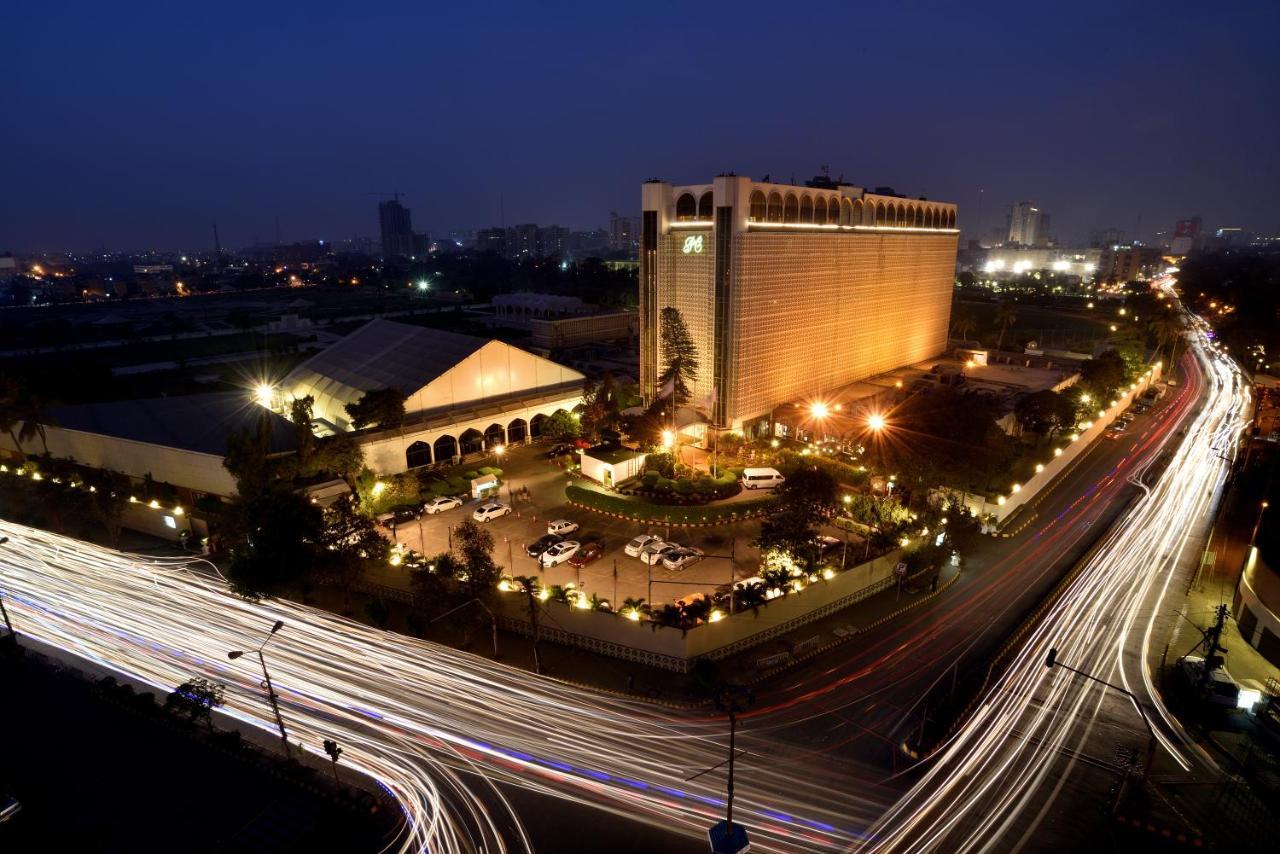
[[643, 511]]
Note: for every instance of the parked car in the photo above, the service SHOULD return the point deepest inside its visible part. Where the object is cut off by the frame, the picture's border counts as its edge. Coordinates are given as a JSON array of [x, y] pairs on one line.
[[401, 514], [9, 807], [1220, 690], [559, 450], [441, 504], [637, 545], [562, 527], [559, 553], [590, 551], [826, 544], [490, 510], [1116, 430], [686, 601], [681, 558], [655, 552], [540, 545]]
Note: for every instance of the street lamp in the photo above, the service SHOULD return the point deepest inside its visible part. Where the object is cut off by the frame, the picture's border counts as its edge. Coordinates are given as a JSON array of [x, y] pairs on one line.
[[264, 395], [1253, 537], [668, 439], [819, 411], [876, 421], [271, 691]]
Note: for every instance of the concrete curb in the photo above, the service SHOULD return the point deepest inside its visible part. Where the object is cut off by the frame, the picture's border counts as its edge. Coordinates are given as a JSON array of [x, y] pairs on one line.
[[663, 523]]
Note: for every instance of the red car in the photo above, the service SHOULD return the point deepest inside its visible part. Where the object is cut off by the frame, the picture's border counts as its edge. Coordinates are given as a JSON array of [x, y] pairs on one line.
[[590, 551]]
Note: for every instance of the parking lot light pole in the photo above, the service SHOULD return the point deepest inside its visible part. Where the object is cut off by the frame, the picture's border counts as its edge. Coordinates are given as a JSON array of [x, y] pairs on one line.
[[271, 691]]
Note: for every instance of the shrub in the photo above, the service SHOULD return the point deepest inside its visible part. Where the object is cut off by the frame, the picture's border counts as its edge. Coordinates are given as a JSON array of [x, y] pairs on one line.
[[684, 487], [472, 474], [641, 510], [649, 479], [493, 470]]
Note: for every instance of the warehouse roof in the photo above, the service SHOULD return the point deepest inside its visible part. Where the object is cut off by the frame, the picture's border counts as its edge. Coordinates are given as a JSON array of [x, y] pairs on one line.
[[197, 422]]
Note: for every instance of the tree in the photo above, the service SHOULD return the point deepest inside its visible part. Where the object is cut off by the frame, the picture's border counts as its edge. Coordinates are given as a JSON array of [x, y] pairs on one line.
[[106, 499], [248, 452], [680, 355], [600, 406], [963, 323], [1168, 330], [474, 545], [276, 536], [196, 698], [10, 411], [350, 544], [1045, 412], [340, 455], [806, 500], [1006, 316], [561, 425], [433, 582], [383, 407], [301, 414], [1103, 376]]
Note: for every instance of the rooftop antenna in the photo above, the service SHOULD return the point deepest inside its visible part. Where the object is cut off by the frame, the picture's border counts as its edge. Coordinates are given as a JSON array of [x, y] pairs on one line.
[[217, 244]]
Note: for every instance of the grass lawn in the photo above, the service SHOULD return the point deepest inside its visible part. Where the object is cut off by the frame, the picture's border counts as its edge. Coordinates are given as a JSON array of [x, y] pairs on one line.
[[1054, 328]]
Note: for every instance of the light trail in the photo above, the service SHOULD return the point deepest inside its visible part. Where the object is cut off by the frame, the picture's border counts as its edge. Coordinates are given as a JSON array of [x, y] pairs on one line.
[[417, 716], [982, 783]]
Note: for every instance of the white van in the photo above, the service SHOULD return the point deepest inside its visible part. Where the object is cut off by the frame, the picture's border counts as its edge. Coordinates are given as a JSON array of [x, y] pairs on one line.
[[761, 478]]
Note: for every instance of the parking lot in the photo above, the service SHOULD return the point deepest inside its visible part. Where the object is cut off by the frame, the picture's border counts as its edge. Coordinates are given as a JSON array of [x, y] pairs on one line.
[[614, 576]]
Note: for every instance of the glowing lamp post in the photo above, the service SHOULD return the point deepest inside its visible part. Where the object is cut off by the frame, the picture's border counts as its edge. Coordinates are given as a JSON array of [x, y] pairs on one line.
[[271, 691]]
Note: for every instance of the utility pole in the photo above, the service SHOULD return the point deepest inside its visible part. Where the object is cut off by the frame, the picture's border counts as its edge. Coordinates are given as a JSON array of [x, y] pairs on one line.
[[1212, 635], [271, 691]]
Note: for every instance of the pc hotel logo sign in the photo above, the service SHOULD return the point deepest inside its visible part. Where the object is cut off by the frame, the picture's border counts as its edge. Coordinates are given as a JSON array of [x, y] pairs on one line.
[[692, 245]]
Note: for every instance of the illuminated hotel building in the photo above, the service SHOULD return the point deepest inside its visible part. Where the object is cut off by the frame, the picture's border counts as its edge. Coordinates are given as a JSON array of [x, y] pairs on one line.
[[791, 292]]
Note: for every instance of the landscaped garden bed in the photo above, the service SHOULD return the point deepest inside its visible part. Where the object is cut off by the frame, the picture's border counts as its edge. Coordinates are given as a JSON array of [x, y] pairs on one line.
[[641, 510]]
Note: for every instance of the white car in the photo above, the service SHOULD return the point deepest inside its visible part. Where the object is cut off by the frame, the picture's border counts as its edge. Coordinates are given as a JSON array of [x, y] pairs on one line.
[[439, 505], [490, 511], [559, 553], [655, 552], [562, 528], [636, 546], [680, 558]]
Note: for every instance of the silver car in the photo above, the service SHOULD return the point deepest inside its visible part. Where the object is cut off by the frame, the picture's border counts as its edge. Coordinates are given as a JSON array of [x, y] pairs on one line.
[[559, 553], [680, 558], [640, 543]]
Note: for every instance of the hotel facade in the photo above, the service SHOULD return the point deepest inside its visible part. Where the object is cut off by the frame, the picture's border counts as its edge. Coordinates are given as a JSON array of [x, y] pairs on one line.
[[791, 292]]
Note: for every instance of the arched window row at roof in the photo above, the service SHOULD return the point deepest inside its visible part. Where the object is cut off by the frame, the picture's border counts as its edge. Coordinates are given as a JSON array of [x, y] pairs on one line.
[[807, 208]]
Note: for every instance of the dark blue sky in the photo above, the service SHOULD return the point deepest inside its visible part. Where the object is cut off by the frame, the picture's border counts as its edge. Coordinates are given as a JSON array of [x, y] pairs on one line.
[[135, 125]]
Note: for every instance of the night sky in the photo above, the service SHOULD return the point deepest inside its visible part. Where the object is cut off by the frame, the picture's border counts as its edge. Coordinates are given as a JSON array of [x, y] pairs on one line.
[[137, 127]]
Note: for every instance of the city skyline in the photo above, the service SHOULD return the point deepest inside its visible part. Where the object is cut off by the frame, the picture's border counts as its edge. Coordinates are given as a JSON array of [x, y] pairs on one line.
[[285, 142]]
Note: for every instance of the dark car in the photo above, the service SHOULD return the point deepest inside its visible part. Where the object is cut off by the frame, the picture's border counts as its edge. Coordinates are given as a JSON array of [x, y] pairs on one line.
[[401, 514], [540, 545], [592, 550], [560, 450]]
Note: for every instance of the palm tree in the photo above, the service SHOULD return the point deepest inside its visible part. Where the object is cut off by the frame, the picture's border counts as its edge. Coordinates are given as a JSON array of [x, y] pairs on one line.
[[1006, 316], [963, 323], [1168, 330], [10, 415], [636, 605]]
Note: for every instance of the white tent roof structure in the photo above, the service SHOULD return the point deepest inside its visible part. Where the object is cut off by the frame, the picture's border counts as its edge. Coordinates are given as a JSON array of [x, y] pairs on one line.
[[436, 370]]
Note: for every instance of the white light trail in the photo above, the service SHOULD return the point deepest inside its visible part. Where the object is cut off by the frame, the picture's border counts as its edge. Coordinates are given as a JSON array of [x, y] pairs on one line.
[[415, 715], [982, 782]]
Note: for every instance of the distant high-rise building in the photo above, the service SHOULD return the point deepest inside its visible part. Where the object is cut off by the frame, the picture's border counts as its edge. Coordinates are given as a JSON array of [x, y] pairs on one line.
[[1027, 224], [553, 241], [397, 229], [492, 240], [1186, 236], [522, 241], [622, 233]]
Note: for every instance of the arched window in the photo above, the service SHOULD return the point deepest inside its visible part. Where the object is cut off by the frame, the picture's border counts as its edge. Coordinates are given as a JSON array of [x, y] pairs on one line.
[[928, 217], [855, 212], [686, 208], [775, 207], [445, 448], [951, 219], [418, 454], [494, 435], [917, 217], [820, 210], [791, 208], [891, 214], [535, 425], [806, 209], [704, 206], [880, 212], [757, 206], [472, 441], [517, 431], [833, 210]]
